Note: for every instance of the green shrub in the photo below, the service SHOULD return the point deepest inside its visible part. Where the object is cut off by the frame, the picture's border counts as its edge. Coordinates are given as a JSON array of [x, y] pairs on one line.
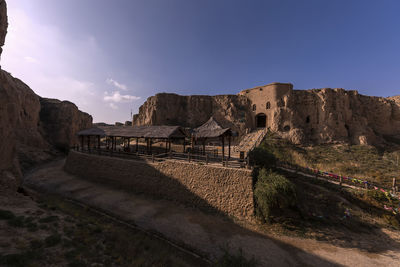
[[237, 260], [273, 192], [6, 215], [17, 221], [48, 219], [262, 157], [52, 240]]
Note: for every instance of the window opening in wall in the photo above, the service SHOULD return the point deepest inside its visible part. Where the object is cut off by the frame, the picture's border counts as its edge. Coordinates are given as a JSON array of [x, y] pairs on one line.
[[286, 128], [308, 119], [268, 105], [260, 89], [254, 107]]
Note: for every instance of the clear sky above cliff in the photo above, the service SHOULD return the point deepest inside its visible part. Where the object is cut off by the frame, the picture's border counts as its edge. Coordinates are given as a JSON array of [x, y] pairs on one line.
[[109, 56]]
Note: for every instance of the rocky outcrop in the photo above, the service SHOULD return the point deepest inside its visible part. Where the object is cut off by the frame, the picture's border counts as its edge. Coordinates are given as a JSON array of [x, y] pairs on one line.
[[31, 127], [192, 111], [3, 23], [60, 121], [337, 115], [303, 116]]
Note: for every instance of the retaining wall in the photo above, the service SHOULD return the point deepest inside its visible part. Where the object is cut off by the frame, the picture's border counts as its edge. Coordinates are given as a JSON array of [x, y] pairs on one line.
[[207, 187]]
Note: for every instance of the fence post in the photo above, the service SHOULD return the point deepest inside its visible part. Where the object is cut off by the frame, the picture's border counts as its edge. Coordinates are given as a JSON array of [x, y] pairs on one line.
[[152, 157], [206, 159], [189, 156], [394, 185], [170, 154]]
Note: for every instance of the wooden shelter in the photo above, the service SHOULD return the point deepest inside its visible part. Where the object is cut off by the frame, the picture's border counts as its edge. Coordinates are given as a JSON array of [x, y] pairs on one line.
[[149, 133], [213, 130]]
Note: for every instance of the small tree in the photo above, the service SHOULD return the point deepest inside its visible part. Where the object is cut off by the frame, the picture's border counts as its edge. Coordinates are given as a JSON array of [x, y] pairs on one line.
[[273, 193]]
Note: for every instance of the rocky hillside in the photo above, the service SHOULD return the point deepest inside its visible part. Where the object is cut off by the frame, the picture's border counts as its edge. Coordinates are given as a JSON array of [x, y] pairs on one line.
[[31, 128], [315, 116], [193, 111]]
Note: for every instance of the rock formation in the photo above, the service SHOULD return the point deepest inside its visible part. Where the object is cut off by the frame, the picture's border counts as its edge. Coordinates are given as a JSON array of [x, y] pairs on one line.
[[192, 111], [60, 121], [31, 127], [3, 23], [303, 116]]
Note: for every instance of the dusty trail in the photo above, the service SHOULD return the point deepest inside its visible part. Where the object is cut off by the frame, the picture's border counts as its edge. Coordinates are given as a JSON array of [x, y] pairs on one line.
[[204, 233]]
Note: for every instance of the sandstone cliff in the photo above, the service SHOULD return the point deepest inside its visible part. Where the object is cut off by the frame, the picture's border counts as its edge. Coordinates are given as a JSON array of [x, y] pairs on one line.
[[192, 111], [60, 121], [31, 128], [305, 116]]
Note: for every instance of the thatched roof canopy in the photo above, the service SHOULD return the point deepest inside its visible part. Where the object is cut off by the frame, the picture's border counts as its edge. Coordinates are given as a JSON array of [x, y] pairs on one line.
[[155, 132], [211, 129]]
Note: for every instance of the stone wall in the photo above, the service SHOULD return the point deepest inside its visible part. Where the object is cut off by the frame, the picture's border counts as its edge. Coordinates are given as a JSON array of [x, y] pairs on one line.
[[223, 190]]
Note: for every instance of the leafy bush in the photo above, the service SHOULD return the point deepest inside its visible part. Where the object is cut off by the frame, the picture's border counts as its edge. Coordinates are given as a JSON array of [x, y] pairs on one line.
[[6, 215], [273, 192], [52, 240], [237, 260], [262, 157]]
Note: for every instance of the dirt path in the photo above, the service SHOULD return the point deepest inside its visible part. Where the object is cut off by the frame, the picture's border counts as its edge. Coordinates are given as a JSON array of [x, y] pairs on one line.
[[205, 233]]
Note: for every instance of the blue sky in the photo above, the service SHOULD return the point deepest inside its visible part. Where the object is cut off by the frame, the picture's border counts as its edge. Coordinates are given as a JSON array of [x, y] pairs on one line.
[[109, 56]]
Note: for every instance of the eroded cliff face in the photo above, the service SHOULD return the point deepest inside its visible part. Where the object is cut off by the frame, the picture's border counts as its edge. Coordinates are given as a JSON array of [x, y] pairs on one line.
[[306, 116], [60, 121], [3, 23], [31, 128], [337, 115], [192, 111]]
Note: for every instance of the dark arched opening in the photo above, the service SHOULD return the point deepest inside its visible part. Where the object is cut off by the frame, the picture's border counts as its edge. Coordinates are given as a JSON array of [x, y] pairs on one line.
[[261, 120]]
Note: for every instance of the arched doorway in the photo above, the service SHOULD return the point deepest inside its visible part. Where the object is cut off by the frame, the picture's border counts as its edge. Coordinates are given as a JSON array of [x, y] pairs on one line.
[[261, 120]]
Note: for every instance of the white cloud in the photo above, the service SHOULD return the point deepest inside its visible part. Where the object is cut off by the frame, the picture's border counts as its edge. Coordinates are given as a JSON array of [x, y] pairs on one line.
[[113, 106], [31, 59], [117, 84], [116, 97]]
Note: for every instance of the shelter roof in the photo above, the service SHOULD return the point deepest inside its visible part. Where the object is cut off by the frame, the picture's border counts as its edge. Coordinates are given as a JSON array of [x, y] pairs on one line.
[[136, 131], [211, 129]]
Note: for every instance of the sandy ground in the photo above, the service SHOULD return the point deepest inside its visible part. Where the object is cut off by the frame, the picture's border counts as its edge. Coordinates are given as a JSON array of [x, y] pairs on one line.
[[205, 233]]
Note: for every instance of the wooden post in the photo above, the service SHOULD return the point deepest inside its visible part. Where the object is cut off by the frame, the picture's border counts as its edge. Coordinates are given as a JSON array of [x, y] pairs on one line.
[[229, 144], [152, 157], [394, 185], [82, 142], [204, 146], [166, 145], [340, 180], [223, 148], [170, 154], [88, 142], [184, 146], [206, 159], [151, 145], [129, 143], [98, 141], [137, 144], [189, 156]]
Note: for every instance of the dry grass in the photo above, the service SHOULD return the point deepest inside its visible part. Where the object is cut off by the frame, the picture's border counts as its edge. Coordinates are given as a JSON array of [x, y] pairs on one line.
[[379, 165]]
